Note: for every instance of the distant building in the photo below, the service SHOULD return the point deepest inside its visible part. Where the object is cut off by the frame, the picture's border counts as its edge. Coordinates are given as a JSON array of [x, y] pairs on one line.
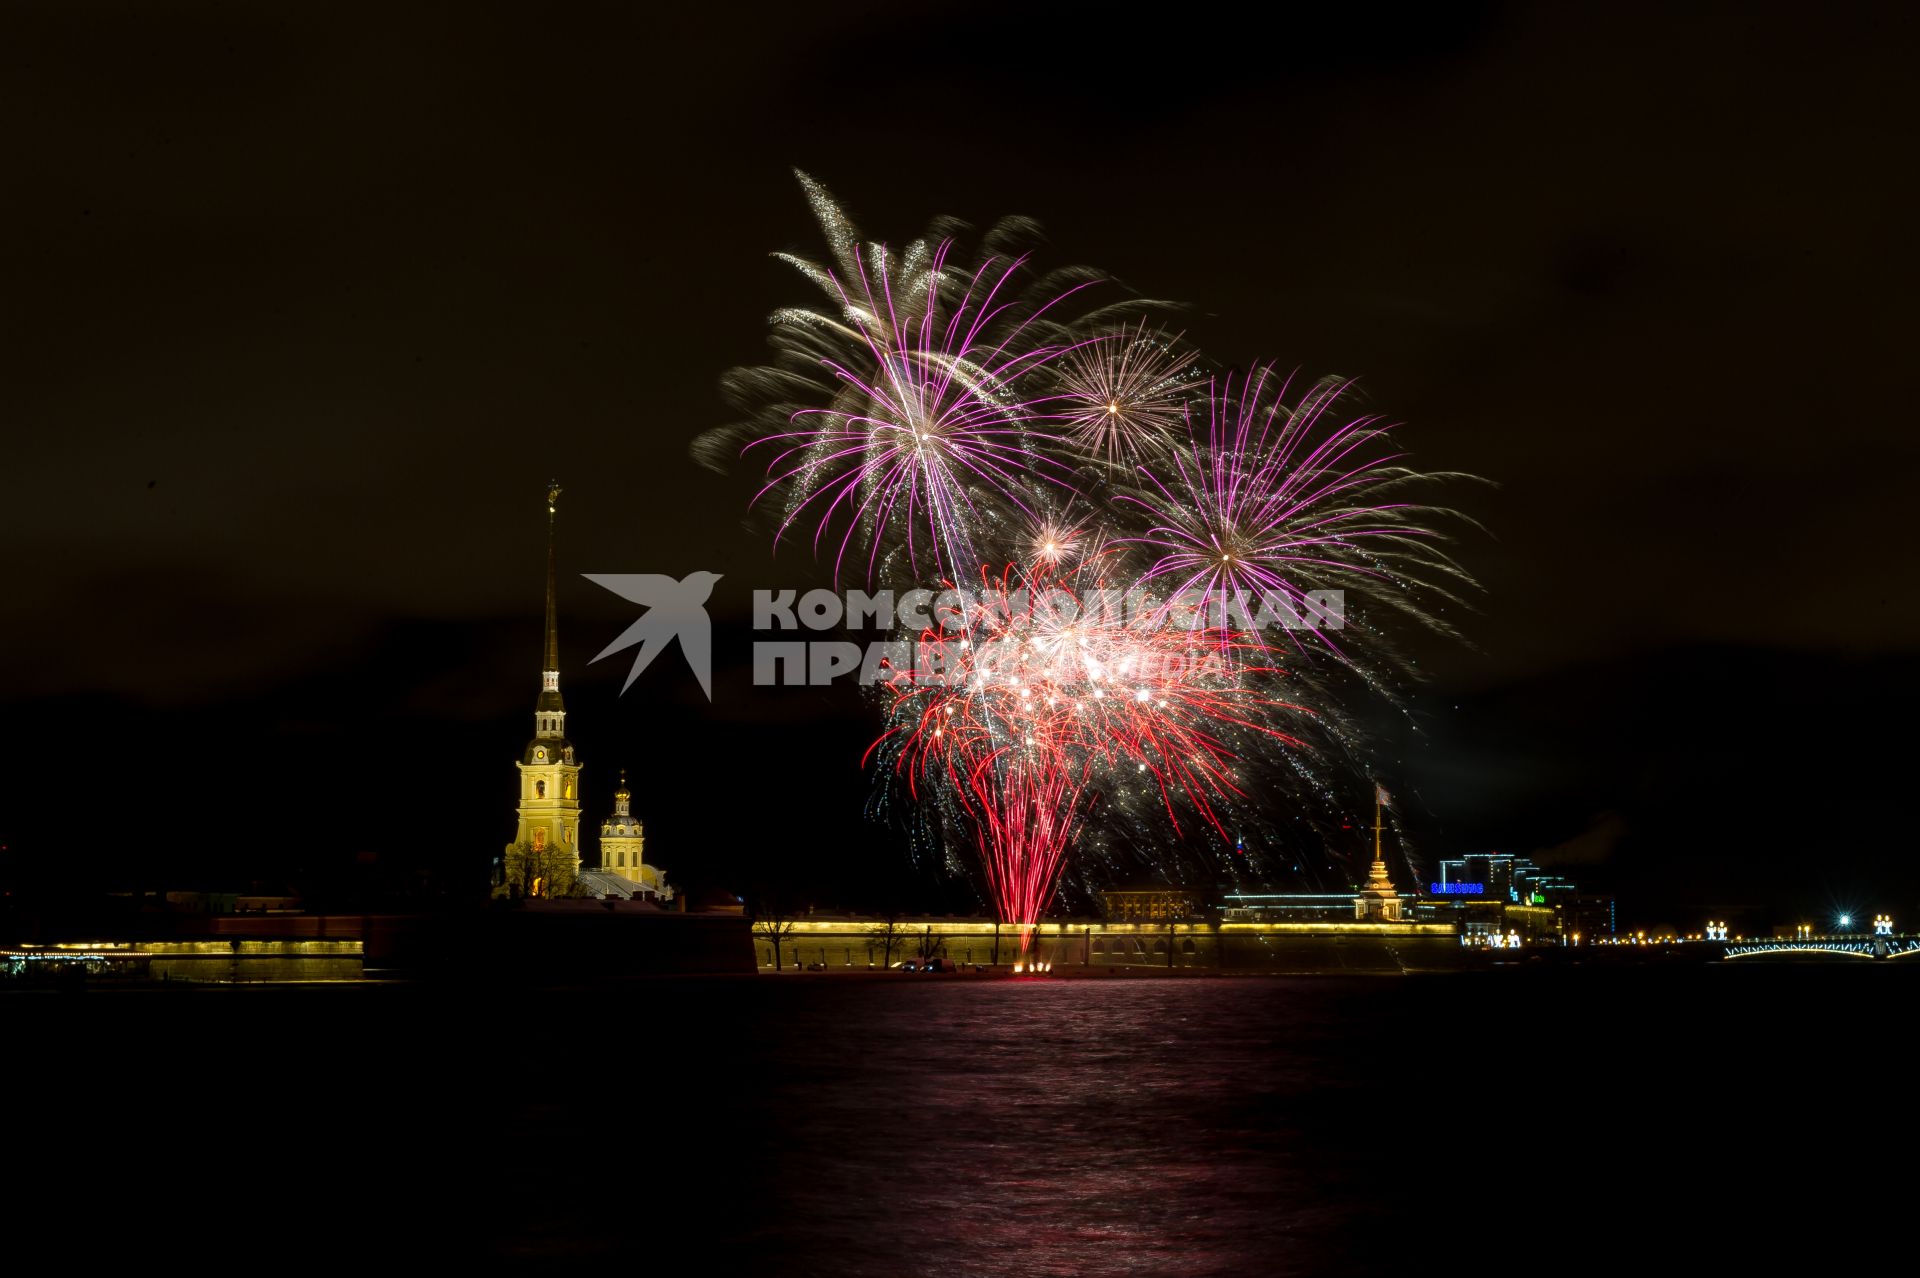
[[544, 857], [1489, 892], [1376, 901], [1148, 905], [622, 852], [1473, 918], [1564, 919], [1586, 918], [1295, 907], [837, 943], [1499, 876]]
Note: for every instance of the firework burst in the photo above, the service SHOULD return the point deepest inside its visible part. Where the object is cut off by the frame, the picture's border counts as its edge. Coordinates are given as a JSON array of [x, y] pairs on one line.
[[928, 378], [1122, 395], [1039, 689], [1054, 543], [1276, 502], [937, 410]]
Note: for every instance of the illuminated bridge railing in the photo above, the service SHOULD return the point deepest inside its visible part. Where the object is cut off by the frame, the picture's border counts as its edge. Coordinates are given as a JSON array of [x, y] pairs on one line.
[[1857, 947]]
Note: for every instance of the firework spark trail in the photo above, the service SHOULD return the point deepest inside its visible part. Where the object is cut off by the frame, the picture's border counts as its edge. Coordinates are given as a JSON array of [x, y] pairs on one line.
[[939, 391], [1122, 395], [930, 417], [1027, 818], [1277, 502], [1054, 542], [1041, 691], [1045, 669]]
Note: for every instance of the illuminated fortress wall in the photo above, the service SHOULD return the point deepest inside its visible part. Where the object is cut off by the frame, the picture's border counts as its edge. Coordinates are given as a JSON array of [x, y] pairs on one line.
[[844, 944], [240, 962]]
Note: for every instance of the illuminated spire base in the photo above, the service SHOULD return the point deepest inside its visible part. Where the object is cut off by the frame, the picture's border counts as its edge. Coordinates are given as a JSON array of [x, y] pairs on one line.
[[1377, 901]]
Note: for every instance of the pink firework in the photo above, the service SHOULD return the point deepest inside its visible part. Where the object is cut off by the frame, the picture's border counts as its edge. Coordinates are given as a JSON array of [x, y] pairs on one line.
[[928, 439], [938, 411], [1122, 395], [1277, 502]]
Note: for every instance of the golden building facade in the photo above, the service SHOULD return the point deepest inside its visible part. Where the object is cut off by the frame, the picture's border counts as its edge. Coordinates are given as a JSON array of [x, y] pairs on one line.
[[623, 845]]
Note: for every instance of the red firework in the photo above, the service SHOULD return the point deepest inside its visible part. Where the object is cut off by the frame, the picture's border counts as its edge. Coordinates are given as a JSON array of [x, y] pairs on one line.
[[1028, 698], [1026, 816]]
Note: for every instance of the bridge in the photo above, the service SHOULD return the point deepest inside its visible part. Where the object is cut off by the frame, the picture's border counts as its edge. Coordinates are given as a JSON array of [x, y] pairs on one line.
[[1849, 946]]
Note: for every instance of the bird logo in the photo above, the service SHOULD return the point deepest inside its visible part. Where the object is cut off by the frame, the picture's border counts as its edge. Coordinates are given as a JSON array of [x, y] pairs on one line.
[[676, 609]]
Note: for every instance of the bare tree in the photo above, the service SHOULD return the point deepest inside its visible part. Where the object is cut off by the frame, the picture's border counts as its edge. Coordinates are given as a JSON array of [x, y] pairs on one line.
[[890, 934], [776, 927]]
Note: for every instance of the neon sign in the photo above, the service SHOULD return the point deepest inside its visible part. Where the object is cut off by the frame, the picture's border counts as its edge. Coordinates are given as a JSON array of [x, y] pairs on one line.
[[1459, 889]]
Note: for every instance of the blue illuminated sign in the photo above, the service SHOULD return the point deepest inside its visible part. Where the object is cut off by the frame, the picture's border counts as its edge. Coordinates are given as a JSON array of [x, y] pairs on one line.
[[1459, 889]]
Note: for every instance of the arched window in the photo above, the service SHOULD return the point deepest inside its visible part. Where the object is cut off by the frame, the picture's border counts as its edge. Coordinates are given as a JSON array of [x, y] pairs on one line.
[[1099, 947], [539, 789], [1187, 947]]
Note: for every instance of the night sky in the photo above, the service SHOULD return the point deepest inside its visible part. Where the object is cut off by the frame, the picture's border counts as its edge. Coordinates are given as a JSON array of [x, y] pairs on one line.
[[300, 309]]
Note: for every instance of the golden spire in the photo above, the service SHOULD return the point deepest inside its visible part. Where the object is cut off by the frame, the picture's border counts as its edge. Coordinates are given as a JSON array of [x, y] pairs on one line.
[[1377, 899], [550, 712], [552, 666]]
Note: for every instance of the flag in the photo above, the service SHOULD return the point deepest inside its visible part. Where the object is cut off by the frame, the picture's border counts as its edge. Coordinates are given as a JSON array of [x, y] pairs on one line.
[[1380, 795]]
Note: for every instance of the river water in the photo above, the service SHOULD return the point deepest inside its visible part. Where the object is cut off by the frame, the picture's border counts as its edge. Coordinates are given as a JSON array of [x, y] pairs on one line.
[[1501, 1121]]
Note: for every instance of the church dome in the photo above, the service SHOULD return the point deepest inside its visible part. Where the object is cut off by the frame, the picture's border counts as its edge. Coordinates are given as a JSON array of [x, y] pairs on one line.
[[622, 824], [545, 750]]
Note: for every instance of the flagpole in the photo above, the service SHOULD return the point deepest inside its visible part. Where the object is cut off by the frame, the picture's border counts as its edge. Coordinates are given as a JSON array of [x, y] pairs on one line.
[[1378, 900]]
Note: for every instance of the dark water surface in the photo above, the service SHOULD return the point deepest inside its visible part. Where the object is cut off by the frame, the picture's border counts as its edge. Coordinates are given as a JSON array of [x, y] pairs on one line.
[[1499, 1121]]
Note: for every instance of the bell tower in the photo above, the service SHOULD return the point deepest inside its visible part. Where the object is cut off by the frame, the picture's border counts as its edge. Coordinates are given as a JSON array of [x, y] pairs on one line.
[[544, 857], [623, 843]]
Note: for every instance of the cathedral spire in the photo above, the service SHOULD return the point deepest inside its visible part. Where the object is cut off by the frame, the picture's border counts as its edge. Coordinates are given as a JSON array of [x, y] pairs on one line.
[[1377, 900], [552, 666], [550, 713]]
